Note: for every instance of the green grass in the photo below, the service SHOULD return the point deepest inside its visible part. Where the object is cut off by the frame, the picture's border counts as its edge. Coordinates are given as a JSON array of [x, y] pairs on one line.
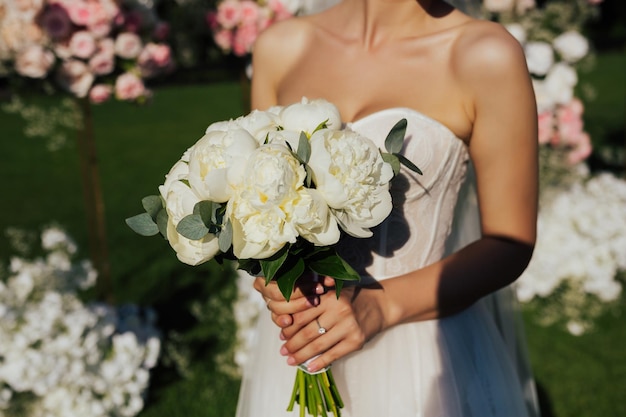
[[578, 376]]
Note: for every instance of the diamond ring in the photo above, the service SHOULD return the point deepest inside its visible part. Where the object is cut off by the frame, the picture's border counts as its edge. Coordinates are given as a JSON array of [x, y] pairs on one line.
[[320, 328]]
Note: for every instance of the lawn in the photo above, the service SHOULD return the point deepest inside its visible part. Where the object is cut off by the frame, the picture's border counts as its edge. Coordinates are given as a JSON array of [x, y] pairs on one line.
[[578, 376]]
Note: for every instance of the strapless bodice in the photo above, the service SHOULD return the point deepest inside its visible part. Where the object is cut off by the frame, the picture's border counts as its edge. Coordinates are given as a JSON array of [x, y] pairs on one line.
[[415, 233]]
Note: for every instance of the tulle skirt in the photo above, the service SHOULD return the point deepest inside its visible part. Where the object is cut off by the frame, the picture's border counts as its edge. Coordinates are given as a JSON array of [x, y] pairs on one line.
[[458, 366]]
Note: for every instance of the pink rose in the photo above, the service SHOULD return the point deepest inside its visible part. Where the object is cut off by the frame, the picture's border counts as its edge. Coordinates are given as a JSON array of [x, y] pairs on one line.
[[75, 77], [107, 46], [34, 62], [82, 44], [224, 39], [546, 127], [128, 45], [102, 63], [153, 58], [280, 11], [129, 87], [229, 14], [580, 149], [100, 93], [100, 29], [569, 119], [244, 39], [249, 12], [56, 22], [81, 13]]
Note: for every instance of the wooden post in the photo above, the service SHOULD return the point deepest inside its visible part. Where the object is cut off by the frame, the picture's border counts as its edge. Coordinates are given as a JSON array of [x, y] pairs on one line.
[[94, 202]]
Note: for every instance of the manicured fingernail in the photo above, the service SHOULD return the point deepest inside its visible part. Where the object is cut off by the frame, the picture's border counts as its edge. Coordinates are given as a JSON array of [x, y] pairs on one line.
[[312, 302], [282, 336], [291, 361], [284, 351], [285, 321], [319, 289], [312, 367]]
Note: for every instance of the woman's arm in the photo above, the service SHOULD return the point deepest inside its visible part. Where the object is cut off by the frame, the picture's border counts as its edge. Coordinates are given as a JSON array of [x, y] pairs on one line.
[[491, 70]]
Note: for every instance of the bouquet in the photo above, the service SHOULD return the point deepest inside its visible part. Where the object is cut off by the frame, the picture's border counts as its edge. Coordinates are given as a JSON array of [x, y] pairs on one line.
[[274, 190]]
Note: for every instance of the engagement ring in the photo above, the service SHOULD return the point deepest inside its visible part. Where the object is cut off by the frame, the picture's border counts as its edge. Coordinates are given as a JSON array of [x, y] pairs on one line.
[[320, 329]]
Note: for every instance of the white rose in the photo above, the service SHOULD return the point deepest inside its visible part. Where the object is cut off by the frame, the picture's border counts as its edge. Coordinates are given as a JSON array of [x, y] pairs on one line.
[[353, 179], [34, 62], [179, 202], [128, 45], [307, 115], [539, 57], [271, 201], [217, 161], [571, 45], [560, 83]]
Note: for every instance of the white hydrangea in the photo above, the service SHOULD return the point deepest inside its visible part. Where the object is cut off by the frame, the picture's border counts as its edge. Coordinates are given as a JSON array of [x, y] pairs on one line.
[[581, 243], [76, 359], [571, 45]]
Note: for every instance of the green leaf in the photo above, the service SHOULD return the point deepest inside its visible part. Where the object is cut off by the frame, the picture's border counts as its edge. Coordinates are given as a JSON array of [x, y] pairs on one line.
[[192, 227], [304, 148], [204, 209], [410, 165], [251, 266], [225, 237], [161, 222], [152, 204], [395, 138], [309, 180], [393, 161], [143, 224], [271, 265], [289, 274], [328, 262], [338, 287]]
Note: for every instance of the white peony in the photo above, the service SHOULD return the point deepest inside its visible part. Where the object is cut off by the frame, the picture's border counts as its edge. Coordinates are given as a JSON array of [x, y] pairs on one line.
[[259, 123], [272, 204], [571, 45], [353, 179], [179, 202], [180, 171], [307, 115], [539, 57], [216, 163]]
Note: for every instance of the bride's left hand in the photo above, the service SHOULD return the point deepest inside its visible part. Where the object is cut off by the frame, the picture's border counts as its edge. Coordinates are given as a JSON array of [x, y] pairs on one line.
[[348, 322]]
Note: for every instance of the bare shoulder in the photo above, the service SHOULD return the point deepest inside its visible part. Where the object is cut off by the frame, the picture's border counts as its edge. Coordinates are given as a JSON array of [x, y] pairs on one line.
[[486, 49], [284, 40]]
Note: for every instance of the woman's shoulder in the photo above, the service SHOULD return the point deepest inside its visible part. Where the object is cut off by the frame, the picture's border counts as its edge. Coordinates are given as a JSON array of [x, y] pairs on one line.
[[486, 48], [286, 37]]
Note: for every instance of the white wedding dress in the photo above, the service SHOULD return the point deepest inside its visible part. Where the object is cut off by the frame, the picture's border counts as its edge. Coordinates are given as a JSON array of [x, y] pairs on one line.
[[472, 364]]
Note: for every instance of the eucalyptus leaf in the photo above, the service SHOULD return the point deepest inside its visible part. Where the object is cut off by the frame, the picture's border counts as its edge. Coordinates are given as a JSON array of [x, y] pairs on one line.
[[152, 204], [143, 224], [205, 210], [309, 180], [192, 227], [393, 161], [395, 138], [161, 222], [304, 148], [410, 165], [225, 237]]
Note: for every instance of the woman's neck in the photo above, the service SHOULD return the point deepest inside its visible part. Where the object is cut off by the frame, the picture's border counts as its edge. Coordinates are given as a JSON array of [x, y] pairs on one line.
[[375, 22]]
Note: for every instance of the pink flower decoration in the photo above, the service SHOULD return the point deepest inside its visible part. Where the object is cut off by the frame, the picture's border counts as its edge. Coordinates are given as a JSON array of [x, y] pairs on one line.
[[224, 39], [75, 77], [244, 39], [581, 149], [34, 62], [161, 31], [249, 12], [81, 13], [279, 9], [102, 63], [56, 22], [229, 14], [153, 58], [133, 21], [129, 87], [128, 45], [546, 127], [569, 119], [82, 44], [100, 93]]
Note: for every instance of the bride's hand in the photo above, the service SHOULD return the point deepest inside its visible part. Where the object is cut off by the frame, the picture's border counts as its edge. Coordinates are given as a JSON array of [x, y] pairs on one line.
[[347, 322], [305, 295]]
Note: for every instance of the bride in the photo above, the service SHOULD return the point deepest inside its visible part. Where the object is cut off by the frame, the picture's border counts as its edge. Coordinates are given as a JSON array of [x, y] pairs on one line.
[[425, 332]]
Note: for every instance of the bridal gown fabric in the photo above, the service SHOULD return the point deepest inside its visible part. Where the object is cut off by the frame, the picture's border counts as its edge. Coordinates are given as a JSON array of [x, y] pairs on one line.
[[472, 364]]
